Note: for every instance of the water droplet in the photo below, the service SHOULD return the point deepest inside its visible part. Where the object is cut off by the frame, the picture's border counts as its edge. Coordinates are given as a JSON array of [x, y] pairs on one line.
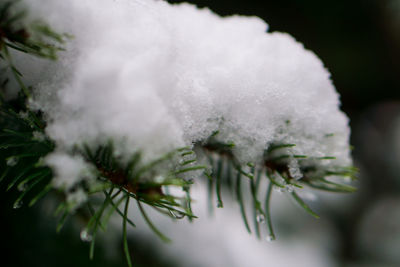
[[23, 115], [117, 153], [175, 215], [22, 187], [270, 238], [38, 136], [159, 179], [260, 218], [17, 204], [246, 169], [308, 195], [85, 236], [278, 189], [289, 188], [12, 161], [347, 180]]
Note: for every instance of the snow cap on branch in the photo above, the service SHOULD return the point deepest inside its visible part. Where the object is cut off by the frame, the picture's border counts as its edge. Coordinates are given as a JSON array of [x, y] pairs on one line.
[[152, 76]]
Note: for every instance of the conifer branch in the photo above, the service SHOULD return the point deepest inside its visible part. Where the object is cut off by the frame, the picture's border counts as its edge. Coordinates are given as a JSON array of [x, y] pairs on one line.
[[24, 144]]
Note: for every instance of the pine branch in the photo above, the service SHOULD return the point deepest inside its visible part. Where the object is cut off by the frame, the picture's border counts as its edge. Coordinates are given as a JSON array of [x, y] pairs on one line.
[[24, 144], [274, 164]]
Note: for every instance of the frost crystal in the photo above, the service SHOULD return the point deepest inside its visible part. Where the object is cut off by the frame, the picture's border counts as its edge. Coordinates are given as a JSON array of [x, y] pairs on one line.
[[152, 76]]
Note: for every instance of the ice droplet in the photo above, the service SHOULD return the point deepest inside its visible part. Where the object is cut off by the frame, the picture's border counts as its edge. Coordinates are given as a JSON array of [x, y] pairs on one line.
[[17, 205], [270, 238], [260, 218], [12, 161], [85, 236]]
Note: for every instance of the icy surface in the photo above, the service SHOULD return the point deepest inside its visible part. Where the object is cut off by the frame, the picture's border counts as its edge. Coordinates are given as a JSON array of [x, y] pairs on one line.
[[153, 77]]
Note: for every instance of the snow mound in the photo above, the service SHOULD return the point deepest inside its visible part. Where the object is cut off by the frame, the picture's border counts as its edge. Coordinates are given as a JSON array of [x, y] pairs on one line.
[[153, 77]]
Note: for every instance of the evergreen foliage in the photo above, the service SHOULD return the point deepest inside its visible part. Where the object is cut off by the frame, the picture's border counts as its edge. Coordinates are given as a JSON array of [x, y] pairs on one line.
[[24, 143]]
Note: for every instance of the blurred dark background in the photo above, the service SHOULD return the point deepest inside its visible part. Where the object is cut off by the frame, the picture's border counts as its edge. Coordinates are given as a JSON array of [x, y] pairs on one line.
[[359, 42]]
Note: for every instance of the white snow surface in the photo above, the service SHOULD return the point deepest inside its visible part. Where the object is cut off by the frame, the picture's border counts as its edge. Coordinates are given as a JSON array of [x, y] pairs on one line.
[[153, 76], [69, 170]]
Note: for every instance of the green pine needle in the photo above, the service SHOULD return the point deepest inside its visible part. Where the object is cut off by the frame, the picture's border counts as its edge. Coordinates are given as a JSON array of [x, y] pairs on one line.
[[219, 181], [151, 225], [124, 235], [240, 200], [303, 204], [41, 194], [268, 211]]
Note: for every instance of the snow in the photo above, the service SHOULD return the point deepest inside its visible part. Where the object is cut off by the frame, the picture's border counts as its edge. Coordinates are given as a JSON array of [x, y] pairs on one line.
[[76, 198], [69, 170], [153, 77]]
